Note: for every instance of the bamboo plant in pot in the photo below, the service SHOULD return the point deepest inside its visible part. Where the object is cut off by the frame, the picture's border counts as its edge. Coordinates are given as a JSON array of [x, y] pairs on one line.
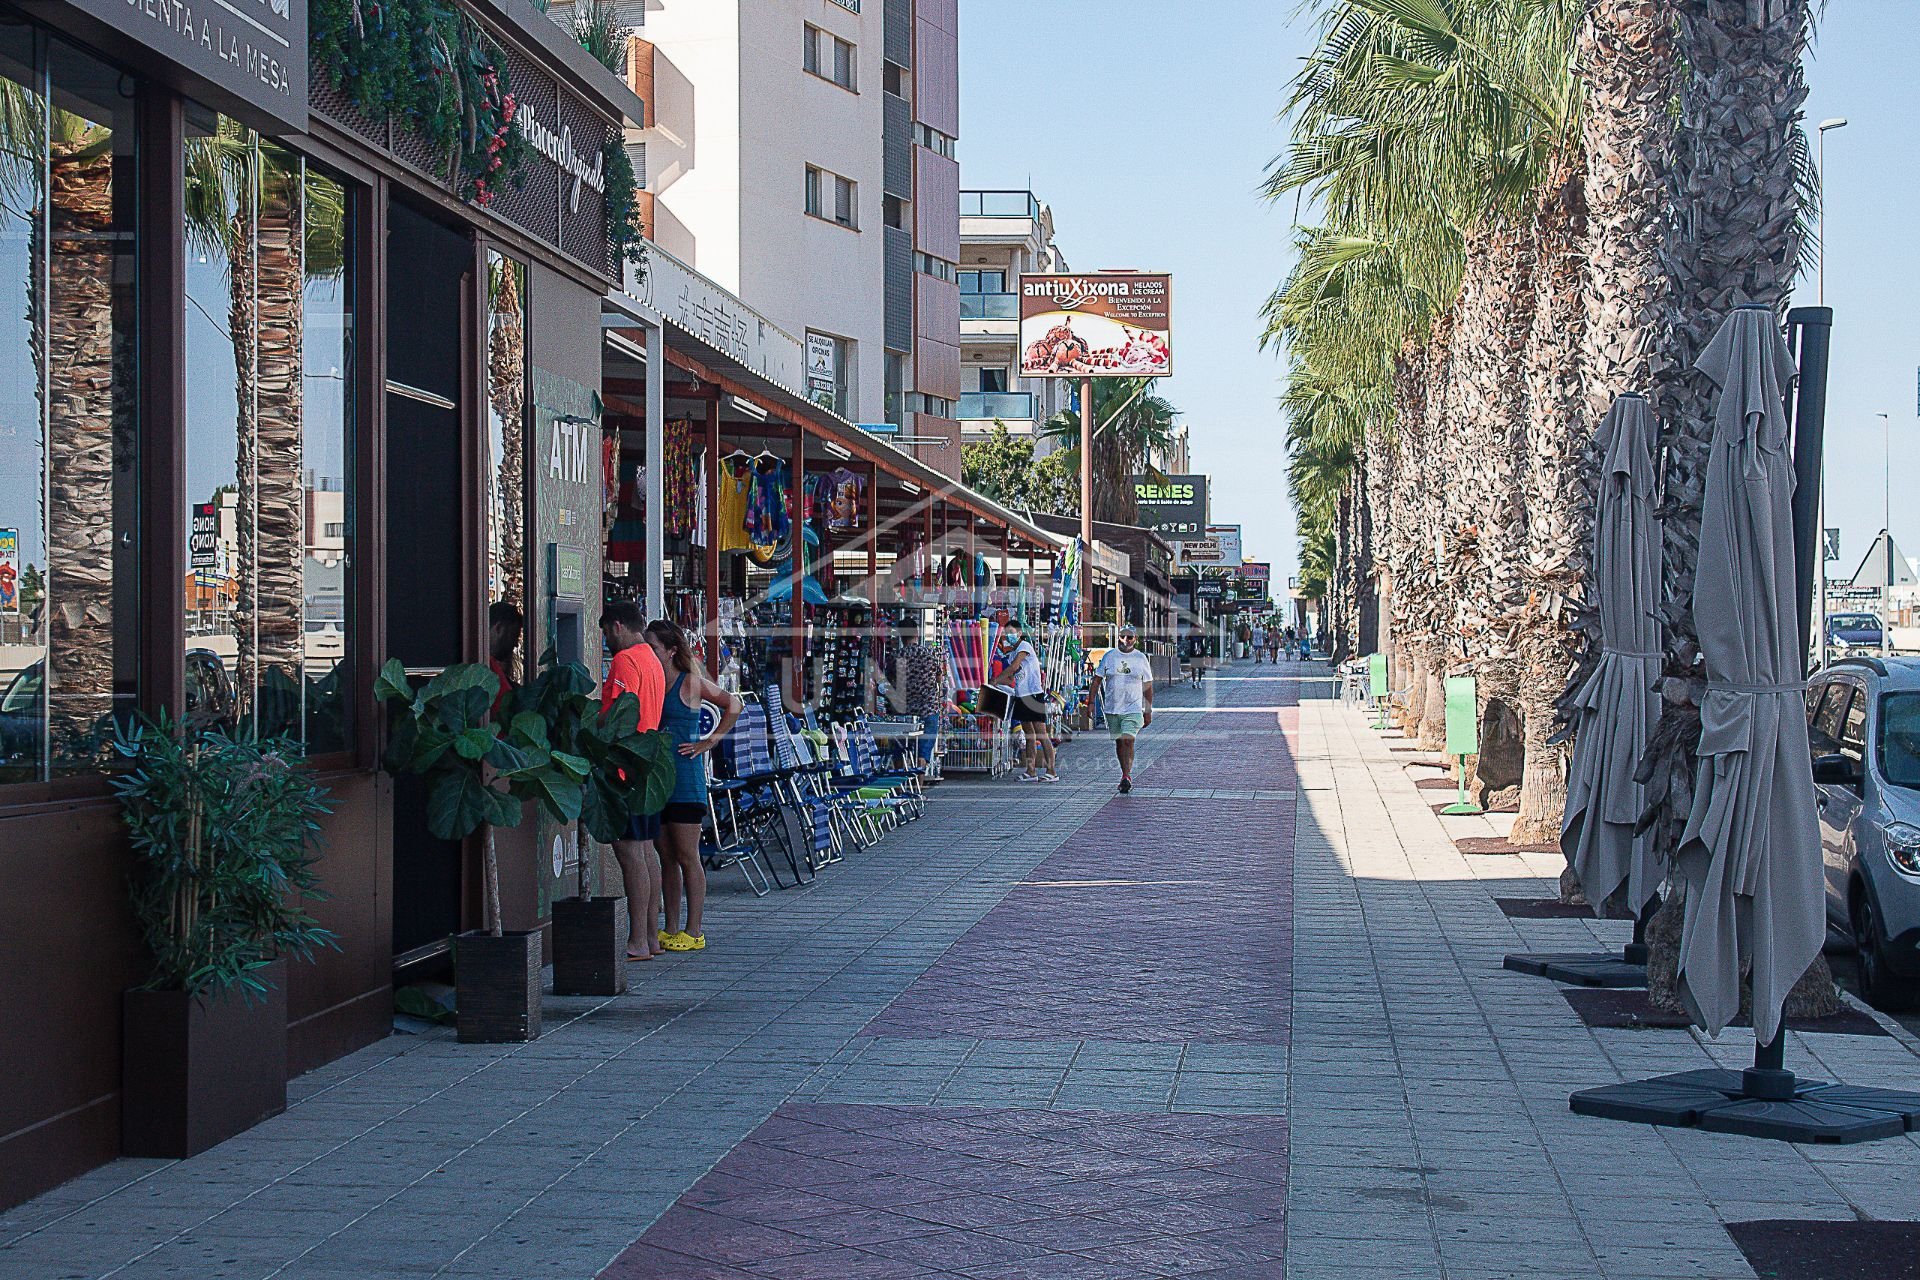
[[629, 773], [479, 774], [223, 831]]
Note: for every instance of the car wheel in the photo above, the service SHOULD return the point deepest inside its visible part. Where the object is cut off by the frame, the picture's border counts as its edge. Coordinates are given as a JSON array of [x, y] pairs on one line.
[[1879, 985]]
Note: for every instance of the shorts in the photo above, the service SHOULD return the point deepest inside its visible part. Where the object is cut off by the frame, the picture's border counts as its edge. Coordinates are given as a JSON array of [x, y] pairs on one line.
[[643, 827], [685, 813], [1030, 708], [1125, 724]]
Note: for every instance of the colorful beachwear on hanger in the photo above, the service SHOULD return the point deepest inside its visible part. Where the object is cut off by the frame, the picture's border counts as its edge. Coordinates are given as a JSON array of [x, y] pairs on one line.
[[736, 483]]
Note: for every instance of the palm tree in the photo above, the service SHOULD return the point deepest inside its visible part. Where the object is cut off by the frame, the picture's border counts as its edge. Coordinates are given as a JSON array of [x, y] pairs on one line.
[[1742, 185], [1131, 426]]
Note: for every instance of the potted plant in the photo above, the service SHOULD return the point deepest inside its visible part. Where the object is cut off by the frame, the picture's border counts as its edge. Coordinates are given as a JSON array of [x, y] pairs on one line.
[[223, 831], [479, 773], [628, 773]]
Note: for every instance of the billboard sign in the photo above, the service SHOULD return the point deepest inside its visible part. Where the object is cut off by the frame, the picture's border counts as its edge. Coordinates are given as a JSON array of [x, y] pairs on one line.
[[9, 571], [1108, 324], [203, 544], [1217, 548], [1173, 506]]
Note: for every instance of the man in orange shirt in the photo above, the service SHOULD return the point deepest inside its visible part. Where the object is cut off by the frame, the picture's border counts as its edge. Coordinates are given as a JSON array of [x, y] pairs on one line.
[[636, 670]]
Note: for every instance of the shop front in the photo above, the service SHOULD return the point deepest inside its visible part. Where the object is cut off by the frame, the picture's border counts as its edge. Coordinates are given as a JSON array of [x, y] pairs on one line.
[[277, 379]]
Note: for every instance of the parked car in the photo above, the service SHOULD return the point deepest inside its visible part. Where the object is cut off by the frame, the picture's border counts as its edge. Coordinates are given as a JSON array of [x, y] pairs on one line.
[[1863, 716], [1853, 631], [23, 724]]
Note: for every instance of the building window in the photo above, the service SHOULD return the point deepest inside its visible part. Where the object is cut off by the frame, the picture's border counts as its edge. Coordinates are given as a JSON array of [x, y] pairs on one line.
[[638, 153], [933, 406], [831, 196], [894, 79], [939, 268], [992, 379], [895, 211], [896, 386], [828, 56], [69, 612], [983, 281], [934, 140], [269, 340]]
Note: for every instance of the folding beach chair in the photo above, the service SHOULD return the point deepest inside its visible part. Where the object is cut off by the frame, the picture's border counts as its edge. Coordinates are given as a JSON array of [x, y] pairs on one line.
[[754, 787], [726, 840]]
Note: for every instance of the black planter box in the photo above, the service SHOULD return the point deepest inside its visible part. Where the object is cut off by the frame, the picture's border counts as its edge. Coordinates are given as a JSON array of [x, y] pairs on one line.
[[590, 946], [196, 1071], [497, 987]]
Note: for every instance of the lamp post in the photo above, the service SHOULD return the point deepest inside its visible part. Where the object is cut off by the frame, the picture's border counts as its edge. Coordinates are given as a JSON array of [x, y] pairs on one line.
[[1886, 528], [1838, 122]]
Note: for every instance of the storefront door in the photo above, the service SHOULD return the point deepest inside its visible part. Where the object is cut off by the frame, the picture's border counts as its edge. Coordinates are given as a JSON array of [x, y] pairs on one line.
[[429, 268]]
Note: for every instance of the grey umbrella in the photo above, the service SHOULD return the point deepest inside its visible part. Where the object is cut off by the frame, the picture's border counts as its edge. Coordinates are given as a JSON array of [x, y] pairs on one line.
[[1618, 703], [1750, 854]]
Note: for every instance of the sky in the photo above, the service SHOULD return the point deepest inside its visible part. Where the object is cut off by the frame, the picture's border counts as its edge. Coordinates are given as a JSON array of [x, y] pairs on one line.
[[1148, 132]]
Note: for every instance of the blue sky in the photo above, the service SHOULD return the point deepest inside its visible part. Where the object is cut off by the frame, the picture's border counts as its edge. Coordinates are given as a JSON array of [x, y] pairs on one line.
[[1148, 132]]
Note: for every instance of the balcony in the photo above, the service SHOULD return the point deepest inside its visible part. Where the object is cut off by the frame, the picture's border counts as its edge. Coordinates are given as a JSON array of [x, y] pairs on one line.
[[1008, 406], [989, 306], [999, 204]]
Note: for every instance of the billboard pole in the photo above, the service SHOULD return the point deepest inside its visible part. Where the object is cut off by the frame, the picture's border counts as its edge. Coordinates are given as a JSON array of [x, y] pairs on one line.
[[1086, 505]]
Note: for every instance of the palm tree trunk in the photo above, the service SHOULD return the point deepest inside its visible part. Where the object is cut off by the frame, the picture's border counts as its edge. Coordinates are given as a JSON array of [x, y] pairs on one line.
[[507, 394], [279, 487], [243, 310], [77, 362], [1559, 506], [1741, 184]]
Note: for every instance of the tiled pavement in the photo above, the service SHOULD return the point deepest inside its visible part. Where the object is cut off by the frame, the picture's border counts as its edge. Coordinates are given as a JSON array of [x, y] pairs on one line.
[[1252, 1012]]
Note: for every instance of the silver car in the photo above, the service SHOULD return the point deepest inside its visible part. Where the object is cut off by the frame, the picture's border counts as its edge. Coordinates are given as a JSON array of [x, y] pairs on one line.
[[1864, 720]]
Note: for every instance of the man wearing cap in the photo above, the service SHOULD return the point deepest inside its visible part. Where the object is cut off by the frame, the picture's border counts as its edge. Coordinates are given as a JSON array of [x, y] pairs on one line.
[[1126, 678]]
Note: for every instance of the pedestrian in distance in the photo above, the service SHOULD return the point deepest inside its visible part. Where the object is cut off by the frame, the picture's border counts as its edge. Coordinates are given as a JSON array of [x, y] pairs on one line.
[[1273, 643], [681, 872], [636, 670], [1259, 636], [1125, 678], [1037, 758]]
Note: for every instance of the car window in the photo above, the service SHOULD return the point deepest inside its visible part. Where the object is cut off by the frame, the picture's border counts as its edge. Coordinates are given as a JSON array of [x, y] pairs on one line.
[[1899, 736], [1853, 730], [24, 693], [1828, 720]]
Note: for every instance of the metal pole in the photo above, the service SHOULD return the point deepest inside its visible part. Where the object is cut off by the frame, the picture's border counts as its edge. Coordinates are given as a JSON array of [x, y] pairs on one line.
[[797, 565], [716, 476], [1886, 526], [655, 575], [1086, 502], [1814, 327]]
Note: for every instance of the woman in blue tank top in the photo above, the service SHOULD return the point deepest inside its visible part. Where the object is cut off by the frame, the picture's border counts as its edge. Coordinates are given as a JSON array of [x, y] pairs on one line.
[[679, 842]]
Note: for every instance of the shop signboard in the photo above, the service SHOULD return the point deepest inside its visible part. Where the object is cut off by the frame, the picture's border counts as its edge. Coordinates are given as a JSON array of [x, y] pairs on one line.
[[694, 304], [9, 571], [823, 369], [1174, 506], [247, 57], [1214, 589], [1218, 548], [1107, 324], [203, 543]]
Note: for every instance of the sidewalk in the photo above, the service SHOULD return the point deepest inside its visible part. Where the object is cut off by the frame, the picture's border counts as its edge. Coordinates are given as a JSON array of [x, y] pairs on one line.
[[1249, 1021]]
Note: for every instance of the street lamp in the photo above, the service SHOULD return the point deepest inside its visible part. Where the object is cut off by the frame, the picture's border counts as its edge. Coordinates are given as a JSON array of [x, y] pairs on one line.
[[1820, 294]]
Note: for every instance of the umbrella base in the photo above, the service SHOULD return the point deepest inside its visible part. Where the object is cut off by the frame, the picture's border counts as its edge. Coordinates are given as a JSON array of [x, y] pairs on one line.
[[1725, 1102], [1462, 809], [1596, 969]]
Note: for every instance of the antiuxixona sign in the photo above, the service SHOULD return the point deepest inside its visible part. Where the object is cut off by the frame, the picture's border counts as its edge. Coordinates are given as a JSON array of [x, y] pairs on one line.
[[1113, 324]]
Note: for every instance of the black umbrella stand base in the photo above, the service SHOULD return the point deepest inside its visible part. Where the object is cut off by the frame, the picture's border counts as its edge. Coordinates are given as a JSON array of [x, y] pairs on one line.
[[1758, 1103], [1582, 970]]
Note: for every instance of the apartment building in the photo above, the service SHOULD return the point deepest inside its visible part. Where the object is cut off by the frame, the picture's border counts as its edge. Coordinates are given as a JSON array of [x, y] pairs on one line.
[[801, 154], [1002, 235]]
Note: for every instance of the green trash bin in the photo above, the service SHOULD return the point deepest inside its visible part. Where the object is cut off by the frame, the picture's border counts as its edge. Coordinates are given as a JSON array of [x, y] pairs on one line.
[[1463, 736]]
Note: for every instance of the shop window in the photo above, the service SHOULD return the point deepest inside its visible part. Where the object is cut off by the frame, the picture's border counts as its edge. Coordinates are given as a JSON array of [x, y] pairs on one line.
[[270, 378], [69, 613], [506, 475]]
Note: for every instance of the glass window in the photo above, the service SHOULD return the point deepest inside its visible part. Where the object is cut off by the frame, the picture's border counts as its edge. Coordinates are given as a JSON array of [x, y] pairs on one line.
[[269, 339], [69, 614], [1853, 732], [843, 204], [815, 205], [1900, 739], [506, 477], [1828, 719]]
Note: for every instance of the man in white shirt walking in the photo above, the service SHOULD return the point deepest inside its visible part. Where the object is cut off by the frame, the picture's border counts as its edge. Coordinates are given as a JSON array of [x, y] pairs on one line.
[[1125, 677]]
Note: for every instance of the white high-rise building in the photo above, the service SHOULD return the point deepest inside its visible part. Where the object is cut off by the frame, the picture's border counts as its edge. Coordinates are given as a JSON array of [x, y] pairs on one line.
[[1003, 235], [801, 155]]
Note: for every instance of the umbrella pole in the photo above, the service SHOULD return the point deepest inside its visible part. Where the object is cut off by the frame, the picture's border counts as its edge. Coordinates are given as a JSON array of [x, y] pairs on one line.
[[1636, 951]]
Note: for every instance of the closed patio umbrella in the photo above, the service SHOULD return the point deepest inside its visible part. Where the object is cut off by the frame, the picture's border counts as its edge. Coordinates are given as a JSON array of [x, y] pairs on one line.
[[1616, 707], [1750, 853]]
